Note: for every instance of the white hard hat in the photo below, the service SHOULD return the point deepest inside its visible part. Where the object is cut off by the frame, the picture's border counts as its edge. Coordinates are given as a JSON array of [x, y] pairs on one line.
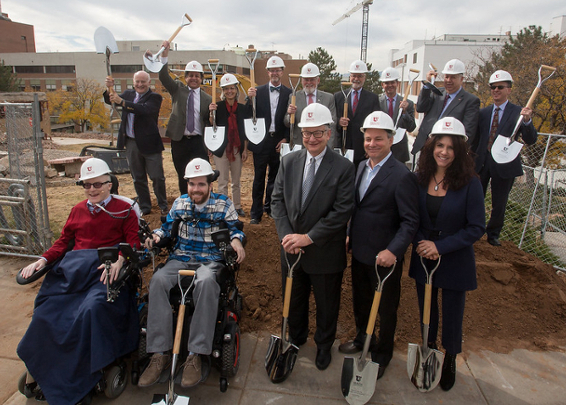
[[194, 66], [379, 120], [275, 62], [448, 126], [358, 66], [500, 76], [310, 70], [94, 167], [389, 74], [315, 115], [228, 79], [454, 67], [198, 167]]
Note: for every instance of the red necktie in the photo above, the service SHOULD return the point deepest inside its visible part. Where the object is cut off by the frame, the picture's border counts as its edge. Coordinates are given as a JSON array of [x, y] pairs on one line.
[[310, 99], [391, 100], [493, 130], [355, 104]]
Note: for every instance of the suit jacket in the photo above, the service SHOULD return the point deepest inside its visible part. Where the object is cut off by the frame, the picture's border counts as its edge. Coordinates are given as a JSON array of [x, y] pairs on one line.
[[460, 223], [322, 97], [368, 102], [407, 121], [506, 126], [222, 121], [465, 107], [146, 114], [387, 217], [179, 94], [263, 110], [326, 211]]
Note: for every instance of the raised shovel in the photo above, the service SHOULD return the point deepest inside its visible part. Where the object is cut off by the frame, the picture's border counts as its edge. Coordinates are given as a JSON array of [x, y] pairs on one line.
[[360, 375], [214, 136], [400, 132], [424, 364], [153, 62], [254, 127], [506, 149], [171, 398], [430, 84], [346, 88], [291, 147], [281, 353]]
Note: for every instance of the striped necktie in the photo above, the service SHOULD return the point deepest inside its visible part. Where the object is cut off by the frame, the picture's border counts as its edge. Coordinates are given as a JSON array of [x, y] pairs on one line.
[[309, 179]]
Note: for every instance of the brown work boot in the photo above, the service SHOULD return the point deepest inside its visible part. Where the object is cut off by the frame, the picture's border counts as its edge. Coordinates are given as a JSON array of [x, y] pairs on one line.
[[192, 371], [156, 365]]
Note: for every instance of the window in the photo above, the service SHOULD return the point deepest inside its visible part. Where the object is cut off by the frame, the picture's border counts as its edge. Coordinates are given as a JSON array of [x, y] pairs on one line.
[[60, 69], [35, 84], [67, 85], [118, 87], [135, 48], [50, 85], [129, 84], [29, 69], [415, 57]]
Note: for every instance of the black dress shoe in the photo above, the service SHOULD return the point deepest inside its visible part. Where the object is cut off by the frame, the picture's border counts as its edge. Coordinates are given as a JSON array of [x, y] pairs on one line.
[[349, 347], [383, 362], [494, 241], [254, 221], [448, 372], [380, 371], [323, 358]]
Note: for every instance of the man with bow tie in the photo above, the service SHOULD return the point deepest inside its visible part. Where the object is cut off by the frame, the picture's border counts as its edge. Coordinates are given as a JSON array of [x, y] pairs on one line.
[[271, 104]]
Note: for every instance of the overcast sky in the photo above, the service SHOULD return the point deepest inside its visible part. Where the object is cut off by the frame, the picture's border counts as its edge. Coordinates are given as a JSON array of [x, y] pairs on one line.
[[292, 26]]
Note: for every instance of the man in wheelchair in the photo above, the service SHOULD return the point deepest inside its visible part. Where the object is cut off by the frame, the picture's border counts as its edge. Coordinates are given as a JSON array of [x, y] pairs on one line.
[[75, 332], [201, 212]]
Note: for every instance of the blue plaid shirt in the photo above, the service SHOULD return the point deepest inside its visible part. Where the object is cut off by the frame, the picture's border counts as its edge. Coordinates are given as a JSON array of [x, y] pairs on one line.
[[194, 240]]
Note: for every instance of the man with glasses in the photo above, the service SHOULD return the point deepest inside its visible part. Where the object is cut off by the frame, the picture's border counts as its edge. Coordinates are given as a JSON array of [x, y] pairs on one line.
[[271, 104], [312, 202], [500, 118]]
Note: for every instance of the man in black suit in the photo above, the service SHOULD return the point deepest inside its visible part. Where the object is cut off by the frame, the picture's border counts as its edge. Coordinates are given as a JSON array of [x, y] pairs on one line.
[[361, 103], [312, 202], [500, 118], [454, 102], [271, 104], [140, 136], [383, 224]]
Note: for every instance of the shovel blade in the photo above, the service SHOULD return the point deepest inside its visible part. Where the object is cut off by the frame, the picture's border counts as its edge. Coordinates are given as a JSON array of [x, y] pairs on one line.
[[433, 88], [424, 368], [255, 131], [358, 380], [104, 39], [399, 135], [152, 64], [286, 149], [163, 399], [214, 139], [279, 362], [503, 152], [348, 153]]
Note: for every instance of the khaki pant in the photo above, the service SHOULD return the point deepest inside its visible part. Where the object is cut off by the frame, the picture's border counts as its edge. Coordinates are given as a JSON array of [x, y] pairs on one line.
[[225, 167]]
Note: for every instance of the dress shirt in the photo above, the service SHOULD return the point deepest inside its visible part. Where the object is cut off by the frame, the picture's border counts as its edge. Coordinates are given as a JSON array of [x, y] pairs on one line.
[[92, 207], [501, 109], [369, 173], [317, 160], [198, 129], [353, 96], [313, 97], [452, 97], [130, 126], [273, 101]]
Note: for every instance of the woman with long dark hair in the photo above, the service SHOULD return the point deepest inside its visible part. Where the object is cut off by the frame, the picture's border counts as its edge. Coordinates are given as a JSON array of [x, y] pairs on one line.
[[452, 218]]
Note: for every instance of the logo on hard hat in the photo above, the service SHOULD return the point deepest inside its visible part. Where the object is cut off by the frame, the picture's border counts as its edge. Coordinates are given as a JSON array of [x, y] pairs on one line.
[[447, 124], [309, 115], [308, 70], [497, 76], [387, 74], [273, 62], [89, 168], [357, 66], [376, 119], [197, 167]]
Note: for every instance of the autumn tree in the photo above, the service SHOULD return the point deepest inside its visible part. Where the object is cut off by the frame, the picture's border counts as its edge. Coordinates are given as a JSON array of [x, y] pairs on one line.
[[8, 80], [166, 105], [329, 78]]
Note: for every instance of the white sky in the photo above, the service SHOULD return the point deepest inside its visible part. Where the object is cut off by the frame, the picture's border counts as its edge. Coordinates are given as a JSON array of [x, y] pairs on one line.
[[292, 26]]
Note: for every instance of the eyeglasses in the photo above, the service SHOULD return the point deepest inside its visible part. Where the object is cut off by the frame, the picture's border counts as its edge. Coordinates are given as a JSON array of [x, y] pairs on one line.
[[87, 186], [498, 87], [316, 134]]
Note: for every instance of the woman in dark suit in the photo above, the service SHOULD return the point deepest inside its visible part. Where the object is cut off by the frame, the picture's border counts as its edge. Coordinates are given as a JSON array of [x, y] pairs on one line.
[[452, 218], [234, 151]]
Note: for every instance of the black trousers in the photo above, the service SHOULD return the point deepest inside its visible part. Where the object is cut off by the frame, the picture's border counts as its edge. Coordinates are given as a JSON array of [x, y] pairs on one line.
[[261, 163], [364, 282], [182, 152], [500, 189]]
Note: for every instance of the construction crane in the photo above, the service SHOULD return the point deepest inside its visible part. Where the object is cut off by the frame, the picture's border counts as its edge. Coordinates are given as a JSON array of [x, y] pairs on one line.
[[365, 22]]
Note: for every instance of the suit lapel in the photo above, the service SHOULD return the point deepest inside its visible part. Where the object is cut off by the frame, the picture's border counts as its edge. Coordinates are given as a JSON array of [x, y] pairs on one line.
[[383, 174], [507, 113], [454, 103]]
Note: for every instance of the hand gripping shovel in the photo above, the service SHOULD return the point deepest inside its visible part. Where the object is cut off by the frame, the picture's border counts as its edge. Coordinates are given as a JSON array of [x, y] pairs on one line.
[[214, 136], [254, 127], [153, 62], [423, 363], [360, 375], [506, 149], [400, 132], [281, 353], [290, 147], [346, 88], [171, 398], [430, 84]]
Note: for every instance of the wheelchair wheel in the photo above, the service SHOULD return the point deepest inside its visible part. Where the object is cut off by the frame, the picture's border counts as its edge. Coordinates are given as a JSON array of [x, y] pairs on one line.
[[116, 381], [231, 354]]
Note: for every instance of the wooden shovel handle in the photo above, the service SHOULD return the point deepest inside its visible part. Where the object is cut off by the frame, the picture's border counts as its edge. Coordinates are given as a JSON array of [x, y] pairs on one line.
[[179, 329], [533, 97], [373, 312], [287, 300], [179, 28], [427, 301], [188, 18], [345, 114], [408, 89], [187, 272], [292, 116], [548, 67]]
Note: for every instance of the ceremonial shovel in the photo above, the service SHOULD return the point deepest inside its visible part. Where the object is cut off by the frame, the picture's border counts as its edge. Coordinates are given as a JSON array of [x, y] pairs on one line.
[[290, 147], [400, 132], [153, 62], [254, 127], [346, 88], [430, 84], [214, 136]]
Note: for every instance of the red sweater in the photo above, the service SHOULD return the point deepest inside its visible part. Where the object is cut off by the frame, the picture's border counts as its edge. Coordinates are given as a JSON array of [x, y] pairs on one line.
[[95, 230]]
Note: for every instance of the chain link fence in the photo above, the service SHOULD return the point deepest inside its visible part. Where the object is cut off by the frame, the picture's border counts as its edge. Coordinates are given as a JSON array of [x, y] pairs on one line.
[[535, 218], [24, 219]]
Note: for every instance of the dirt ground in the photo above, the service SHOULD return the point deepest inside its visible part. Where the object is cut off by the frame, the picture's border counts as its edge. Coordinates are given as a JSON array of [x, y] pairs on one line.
[[520, 301]]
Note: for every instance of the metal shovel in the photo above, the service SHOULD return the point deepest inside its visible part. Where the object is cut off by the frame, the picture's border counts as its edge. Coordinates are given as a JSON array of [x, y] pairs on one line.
[[506, 149], [400, 132], [281, 353], [346, 88], [153, 62], [424, 364], [291, 147], [171, 398], [360, 375], [214, 136], [430, 84], [254, 127]]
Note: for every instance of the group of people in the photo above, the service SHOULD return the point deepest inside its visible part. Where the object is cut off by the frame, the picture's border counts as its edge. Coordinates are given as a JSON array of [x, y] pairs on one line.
[[323, 205]]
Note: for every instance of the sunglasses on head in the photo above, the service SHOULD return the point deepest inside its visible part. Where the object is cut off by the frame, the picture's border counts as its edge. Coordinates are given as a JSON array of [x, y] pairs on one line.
[[95, 185], [498, 87]]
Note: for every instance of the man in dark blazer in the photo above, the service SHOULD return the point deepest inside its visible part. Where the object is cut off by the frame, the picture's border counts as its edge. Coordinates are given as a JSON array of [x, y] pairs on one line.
[[390, 102], [271, 104], [140, 136], [312, 202], [454, 102], [502, 175], [383, 224], [186, 128], [361, 103]]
